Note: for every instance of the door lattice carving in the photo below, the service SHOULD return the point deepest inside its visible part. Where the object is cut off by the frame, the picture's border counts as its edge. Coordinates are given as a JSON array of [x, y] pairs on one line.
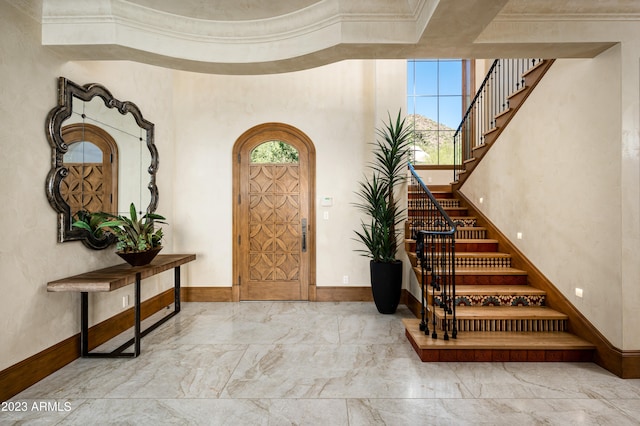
[[83, 187], [274, 222]]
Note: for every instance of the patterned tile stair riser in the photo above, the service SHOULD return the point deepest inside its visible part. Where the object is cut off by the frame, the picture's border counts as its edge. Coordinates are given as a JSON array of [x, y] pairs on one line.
[[501, 300]]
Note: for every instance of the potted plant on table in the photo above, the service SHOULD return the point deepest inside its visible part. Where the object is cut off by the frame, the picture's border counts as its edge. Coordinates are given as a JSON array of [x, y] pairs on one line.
[[377, 200], [138, 241]]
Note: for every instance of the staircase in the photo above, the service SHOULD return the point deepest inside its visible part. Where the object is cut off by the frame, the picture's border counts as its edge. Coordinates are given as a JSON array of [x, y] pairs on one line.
[[504, 90], [499, 316]]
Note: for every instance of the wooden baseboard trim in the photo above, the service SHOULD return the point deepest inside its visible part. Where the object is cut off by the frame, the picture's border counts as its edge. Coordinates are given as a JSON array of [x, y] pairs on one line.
[[20, 376], [412, 303], [316, 294], [111, 327], [630, 361], [207, 294], [625, 364], [343, 294]]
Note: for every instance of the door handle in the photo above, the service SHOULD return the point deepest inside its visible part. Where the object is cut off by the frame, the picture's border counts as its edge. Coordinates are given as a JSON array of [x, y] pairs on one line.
[[304, 235]]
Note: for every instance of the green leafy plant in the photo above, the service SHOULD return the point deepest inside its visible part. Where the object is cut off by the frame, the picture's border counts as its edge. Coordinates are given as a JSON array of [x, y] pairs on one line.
[[134, 234], [89, 221], [376, 195]]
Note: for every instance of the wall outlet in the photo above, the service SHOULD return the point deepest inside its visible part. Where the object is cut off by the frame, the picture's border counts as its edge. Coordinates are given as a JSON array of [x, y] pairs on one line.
[[579, 292], [519, 235], [125, 301], [345, 279]]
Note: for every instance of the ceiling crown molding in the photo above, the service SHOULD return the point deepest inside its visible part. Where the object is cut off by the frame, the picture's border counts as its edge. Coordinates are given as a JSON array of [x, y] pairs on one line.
[[319, 26], [569, 17]]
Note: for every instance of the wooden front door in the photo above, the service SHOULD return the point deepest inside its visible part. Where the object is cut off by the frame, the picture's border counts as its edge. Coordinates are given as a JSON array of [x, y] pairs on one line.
[[92, 161], [273, 215]]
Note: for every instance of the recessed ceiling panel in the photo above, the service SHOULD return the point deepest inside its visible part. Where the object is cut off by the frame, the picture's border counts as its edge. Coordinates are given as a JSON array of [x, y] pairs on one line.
[[227, 10]]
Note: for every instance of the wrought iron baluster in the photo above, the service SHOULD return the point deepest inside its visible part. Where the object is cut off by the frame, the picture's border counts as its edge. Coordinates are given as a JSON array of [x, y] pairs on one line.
[[434, 233], [505, 77]]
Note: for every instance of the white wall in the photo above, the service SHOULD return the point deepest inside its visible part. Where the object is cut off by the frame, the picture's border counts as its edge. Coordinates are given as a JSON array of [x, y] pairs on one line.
[[555, 176]]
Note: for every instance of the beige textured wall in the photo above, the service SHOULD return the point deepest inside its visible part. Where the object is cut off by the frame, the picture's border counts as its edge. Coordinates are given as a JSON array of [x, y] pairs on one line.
[[197, 119], [336, 106], [32, 319], [555, 176], [630, 190]]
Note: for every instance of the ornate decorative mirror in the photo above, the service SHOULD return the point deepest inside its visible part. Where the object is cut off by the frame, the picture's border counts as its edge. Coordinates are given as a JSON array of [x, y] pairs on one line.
[[103, 158]]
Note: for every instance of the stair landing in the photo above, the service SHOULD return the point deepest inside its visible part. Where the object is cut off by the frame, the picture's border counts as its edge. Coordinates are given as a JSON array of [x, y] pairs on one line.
[[499, 346]]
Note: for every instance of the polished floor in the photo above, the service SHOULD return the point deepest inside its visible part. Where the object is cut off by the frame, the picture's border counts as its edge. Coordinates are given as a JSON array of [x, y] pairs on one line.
[[287, 363]]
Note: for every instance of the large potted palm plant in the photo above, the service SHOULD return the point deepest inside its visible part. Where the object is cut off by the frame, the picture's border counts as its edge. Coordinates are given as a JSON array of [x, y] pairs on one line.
[[380, 232]]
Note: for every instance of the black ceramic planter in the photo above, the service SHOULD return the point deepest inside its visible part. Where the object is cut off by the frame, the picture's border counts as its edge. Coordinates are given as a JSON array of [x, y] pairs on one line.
[[140, 258], [386, 285]]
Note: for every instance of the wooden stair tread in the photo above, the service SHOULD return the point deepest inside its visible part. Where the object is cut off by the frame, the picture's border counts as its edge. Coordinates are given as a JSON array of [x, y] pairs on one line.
[[448, 209], [496, 290], [483, 271], [479, 147], [463, 241], [503, 112], [491, 130], [524, 340], [489, 271], [447, 194], [476, 240], [466, 254], [518, 92], [473, 254], [504, 312], [483, 254]]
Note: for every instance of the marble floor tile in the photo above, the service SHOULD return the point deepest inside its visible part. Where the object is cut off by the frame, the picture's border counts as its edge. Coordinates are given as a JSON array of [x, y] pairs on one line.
[[154, 412], [340, 371], [494, 412], [282, 363], [543, 380]]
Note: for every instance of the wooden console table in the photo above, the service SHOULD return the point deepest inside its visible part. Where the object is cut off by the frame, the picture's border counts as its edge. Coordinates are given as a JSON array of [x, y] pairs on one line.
[[113, 278]]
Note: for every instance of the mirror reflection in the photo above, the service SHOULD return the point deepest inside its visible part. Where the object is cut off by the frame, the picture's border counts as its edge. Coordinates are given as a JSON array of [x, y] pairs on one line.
[[104, 158]]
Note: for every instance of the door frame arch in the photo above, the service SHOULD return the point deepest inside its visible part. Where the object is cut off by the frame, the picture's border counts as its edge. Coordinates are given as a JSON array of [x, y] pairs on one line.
[[249, 140]]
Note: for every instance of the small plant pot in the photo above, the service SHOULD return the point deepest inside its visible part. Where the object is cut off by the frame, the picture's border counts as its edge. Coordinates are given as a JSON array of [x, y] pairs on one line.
[[139, 258]]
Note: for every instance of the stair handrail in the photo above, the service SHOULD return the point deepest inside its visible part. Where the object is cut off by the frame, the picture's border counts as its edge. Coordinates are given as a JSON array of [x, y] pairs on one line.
[[435, 250], [504, 78]]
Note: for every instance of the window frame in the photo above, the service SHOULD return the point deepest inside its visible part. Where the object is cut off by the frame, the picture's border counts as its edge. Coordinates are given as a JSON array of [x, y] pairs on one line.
[[467, 91]]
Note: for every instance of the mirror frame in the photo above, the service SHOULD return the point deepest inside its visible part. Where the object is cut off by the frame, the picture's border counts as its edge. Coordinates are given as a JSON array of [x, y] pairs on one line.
[[67, 91]]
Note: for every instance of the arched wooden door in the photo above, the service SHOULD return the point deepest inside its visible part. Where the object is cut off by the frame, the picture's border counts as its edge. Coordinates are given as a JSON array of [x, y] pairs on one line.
[[274, 214], [92, 161]]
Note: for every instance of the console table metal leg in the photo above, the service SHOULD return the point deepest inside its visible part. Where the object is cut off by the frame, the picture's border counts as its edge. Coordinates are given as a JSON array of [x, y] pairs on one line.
[[176, 284], [84, 323], [137, 336]]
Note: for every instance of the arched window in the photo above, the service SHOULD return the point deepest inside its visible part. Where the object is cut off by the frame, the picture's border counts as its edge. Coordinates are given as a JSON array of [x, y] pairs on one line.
[[274, 152], [83, 152]]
